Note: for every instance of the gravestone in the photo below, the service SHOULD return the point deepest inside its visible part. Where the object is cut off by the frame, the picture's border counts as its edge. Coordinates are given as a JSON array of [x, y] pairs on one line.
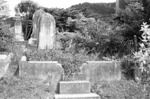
[[47, 31], [36, 17], [49, 72], [102, 70], [18, 27], [5, 61]]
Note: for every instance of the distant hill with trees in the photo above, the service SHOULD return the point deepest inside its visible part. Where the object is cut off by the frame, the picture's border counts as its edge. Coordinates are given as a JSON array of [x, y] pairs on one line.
[[96, 10]]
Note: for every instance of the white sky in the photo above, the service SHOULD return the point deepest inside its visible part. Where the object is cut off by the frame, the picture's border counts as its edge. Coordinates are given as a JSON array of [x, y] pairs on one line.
[[54, 3]]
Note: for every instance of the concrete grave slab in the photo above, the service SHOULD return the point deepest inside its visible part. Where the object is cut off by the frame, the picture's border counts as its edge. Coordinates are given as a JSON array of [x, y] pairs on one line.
[[50, 72], [102, 70], [74, 87]]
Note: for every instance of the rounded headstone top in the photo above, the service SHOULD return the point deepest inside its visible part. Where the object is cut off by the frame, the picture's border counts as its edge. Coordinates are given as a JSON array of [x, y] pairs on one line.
[[38, 13], [47, 17]]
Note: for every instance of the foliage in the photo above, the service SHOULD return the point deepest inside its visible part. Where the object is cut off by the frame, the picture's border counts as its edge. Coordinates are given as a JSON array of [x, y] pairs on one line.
[[98, 37], [61, 17], [131, 18], [128, 67], [96, 10], [27, 29], [5, 37], [143, 55], [4, 9], [118, 90], [130, 21], [28, 8]]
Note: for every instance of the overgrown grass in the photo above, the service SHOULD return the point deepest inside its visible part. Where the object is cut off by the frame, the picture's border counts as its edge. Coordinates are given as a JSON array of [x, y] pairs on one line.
[[21, 88], [123, 89]]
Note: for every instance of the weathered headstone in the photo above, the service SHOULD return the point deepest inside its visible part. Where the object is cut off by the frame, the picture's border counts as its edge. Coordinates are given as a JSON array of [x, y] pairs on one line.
[[18, 27], [47, 31], [36, 28], [49, 72], [4, 63], [102, 70]]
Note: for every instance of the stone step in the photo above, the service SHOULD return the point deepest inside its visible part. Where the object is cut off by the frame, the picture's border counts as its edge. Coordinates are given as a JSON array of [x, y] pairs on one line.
[[77, 96], [74, 87]]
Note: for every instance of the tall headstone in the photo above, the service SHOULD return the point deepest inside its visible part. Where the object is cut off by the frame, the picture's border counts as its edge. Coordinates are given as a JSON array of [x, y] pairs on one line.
[[47, 31], [18, 27], [35, 33], [36, 17]]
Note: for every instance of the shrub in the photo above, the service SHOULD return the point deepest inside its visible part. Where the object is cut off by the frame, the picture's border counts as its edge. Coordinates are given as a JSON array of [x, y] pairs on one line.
[[128, 67], [99, 37], [142, 56], [6, 37]]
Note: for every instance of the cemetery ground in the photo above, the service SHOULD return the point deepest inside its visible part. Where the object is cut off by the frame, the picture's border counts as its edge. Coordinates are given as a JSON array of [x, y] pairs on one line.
[[13, 86]]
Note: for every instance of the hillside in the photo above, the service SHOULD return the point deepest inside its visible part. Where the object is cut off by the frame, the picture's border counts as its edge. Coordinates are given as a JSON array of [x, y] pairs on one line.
[[97, 10]]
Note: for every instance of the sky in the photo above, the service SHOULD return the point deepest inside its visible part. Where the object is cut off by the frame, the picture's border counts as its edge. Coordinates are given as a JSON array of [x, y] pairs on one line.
[[54, 3]]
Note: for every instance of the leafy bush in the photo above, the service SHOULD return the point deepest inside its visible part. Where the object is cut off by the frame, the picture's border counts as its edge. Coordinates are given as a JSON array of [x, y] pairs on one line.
[[98, 37], [128, 67], [118, 90], [6, 37], [143, 55]]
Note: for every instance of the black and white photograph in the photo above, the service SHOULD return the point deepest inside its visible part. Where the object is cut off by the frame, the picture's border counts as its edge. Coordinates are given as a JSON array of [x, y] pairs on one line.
[[74, 49]]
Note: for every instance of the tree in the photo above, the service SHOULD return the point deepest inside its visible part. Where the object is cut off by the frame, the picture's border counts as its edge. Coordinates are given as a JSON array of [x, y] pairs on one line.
[[28, 7], [4, 10], [129, 22], [61, 16], [5, 34]]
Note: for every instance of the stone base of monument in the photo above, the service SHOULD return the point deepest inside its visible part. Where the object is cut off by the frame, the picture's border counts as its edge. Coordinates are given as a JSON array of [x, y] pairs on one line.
[[19, 37], [5, 61], [32, 41], [75, 90]]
